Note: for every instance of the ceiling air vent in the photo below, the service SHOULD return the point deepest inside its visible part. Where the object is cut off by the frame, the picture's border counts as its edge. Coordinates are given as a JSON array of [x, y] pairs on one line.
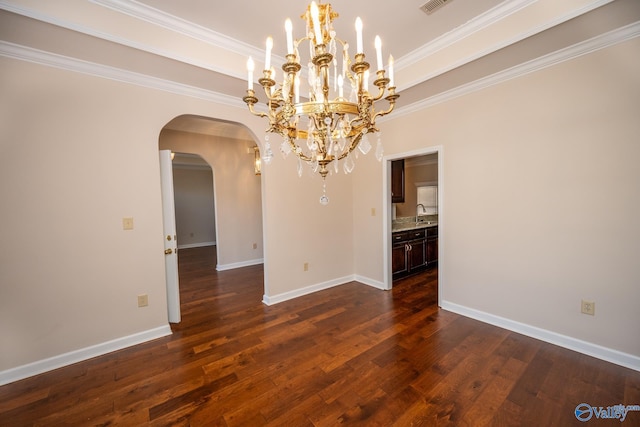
[[433, 5]]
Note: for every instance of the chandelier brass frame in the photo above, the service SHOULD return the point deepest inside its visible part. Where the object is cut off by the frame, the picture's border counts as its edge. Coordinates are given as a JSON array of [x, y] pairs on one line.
[[336, 125]]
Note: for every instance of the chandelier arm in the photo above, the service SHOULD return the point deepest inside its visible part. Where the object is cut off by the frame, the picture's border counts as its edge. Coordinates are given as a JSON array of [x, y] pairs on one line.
[[298, 152], [392, 103], [353, 125], [352, 146], [270, 95], [359, 68], [349, 75], [384, 113], [251, 100], [381, 82], [267, 84], [301, 134], [381, 91], [257, 113], [340, 117]]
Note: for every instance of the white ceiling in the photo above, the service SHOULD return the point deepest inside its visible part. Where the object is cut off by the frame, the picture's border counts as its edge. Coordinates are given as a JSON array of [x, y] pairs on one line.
[[402, 26]]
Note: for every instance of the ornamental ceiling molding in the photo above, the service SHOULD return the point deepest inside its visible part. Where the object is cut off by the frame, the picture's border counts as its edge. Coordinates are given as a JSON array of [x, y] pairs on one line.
[[172, 23], [477, 24], [211, 38], [566, 54], [67, 63], [602, 41]]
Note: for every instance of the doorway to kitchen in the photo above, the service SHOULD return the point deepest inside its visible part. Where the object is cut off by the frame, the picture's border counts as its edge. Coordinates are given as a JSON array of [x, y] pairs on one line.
[[413, 225]]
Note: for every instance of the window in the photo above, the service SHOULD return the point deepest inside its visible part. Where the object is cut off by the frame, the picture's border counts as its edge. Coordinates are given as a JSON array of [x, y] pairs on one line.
[[428, 197]]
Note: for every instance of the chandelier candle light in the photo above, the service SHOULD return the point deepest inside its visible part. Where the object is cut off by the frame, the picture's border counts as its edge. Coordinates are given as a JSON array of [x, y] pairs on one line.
[[327, 127]]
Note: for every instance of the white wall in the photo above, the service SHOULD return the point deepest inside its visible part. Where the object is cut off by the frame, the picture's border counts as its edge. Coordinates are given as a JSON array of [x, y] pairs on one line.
[[541, 197], [194, 207]]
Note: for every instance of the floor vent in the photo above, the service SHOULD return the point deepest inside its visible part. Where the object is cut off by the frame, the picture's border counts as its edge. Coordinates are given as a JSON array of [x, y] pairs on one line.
[[433, 5]]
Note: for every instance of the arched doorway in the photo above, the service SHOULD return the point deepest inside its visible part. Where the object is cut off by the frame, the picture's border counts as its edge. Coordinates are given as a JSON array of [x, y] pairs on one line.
[[227, 148]]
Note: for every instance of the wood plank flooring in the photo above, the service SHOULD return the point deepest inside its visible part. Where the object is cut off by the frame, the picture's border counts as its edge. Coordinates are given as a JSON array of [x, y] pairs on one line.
[[351, 355]]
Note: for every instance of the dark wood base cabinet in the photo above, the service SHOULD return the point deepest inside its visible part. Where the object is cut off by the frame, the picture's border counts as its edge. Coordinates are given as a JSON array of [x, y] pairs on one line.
[[432, 248], [413, 251]]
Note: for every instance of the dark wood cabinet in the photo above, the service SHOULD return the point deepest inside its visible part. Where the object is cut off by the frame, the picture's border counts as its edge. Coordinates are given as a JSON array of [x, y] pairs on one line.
[[409, 252], [399, 260], [432, 246], [397, 181], [416, 254]]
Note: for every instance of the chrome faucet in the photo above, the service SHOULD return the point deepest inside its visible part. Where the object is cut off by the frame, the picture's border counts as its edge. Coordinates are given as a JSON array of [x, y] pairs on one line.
[[417, 211]]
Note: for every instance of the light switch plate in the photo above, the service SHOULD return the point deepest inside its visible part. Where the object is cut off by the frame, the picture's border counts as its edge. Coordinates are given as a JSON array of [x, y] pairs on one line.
[[143, 300], [127, 223]]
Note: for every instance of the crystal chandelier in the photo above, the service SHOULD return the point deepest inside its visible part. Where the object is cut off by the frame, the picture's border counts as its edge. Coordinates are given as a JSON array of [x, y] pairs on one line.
[[336, 112]]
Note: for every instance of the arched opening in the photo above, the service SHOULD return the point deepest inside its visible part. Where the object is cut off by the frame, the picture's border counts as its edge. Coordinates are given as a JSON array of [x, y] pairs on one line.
[[226, 149]]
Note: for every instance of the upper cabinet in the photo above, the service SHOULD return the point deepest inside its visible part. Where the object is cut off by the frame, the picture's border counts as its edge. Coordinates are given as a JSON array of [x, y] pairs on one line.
[[397, 181]]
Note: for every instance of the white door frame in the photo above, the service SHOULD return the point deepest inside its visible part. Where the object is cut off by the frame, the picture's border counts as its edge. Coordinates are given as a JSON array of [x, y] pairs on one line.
[[387, 211], [169, 237]]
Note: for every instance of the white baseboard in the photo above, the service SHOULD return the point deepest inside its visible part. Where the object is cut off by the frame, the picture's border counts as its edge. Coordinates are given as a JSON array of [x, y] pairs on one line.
[[196, 245], [223, 267], [370, 282], [275, 299], [285, 296], [614, 356], [55, 362]]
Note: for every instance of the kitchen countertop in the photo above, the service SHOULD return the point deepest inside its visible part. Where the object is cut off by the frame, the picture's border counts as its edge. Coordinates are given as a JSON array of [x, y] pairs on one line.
[[413, 225]]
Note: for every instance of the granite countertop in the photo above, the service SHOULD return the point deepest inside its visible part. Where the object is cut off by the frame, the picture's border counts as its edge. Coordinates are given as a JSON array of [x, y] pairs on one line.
[[404, 226]]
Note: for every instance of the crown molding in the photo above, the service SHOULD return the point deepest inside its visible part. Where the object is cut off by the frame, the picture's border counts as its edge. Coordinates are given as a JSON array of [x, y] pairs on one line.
[[583, 48], [469, 28], [172, 23], [477, 24], [178, 25], [211, 38], [76, 65], [37, 56]]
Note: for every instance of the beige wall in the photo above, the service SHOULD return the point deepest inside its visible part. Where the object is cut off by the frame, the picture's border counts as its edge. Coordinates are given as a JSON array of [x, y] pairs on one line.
[[540, 189], [81, 153], [194, 207], [301, 230], [541, 197], [238, 197]]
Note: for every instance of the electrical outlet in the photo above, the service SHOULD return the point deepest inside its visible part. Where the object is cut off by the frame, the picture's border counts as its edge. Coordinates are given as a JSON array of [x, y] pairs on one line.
[[306, 266], [588, 307], [127, 223], [143, 300]]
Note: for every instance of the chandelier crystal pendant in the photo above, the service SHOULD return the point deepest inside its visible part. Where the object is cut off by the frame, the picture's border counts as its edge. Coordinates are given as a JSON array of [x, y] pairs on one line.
[[323, 125]]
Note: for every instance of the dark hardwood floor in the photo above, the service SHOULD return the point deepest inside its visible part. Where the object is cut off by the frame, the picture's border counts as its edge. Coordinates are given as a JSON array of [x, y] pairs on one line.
[[349, 355]]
